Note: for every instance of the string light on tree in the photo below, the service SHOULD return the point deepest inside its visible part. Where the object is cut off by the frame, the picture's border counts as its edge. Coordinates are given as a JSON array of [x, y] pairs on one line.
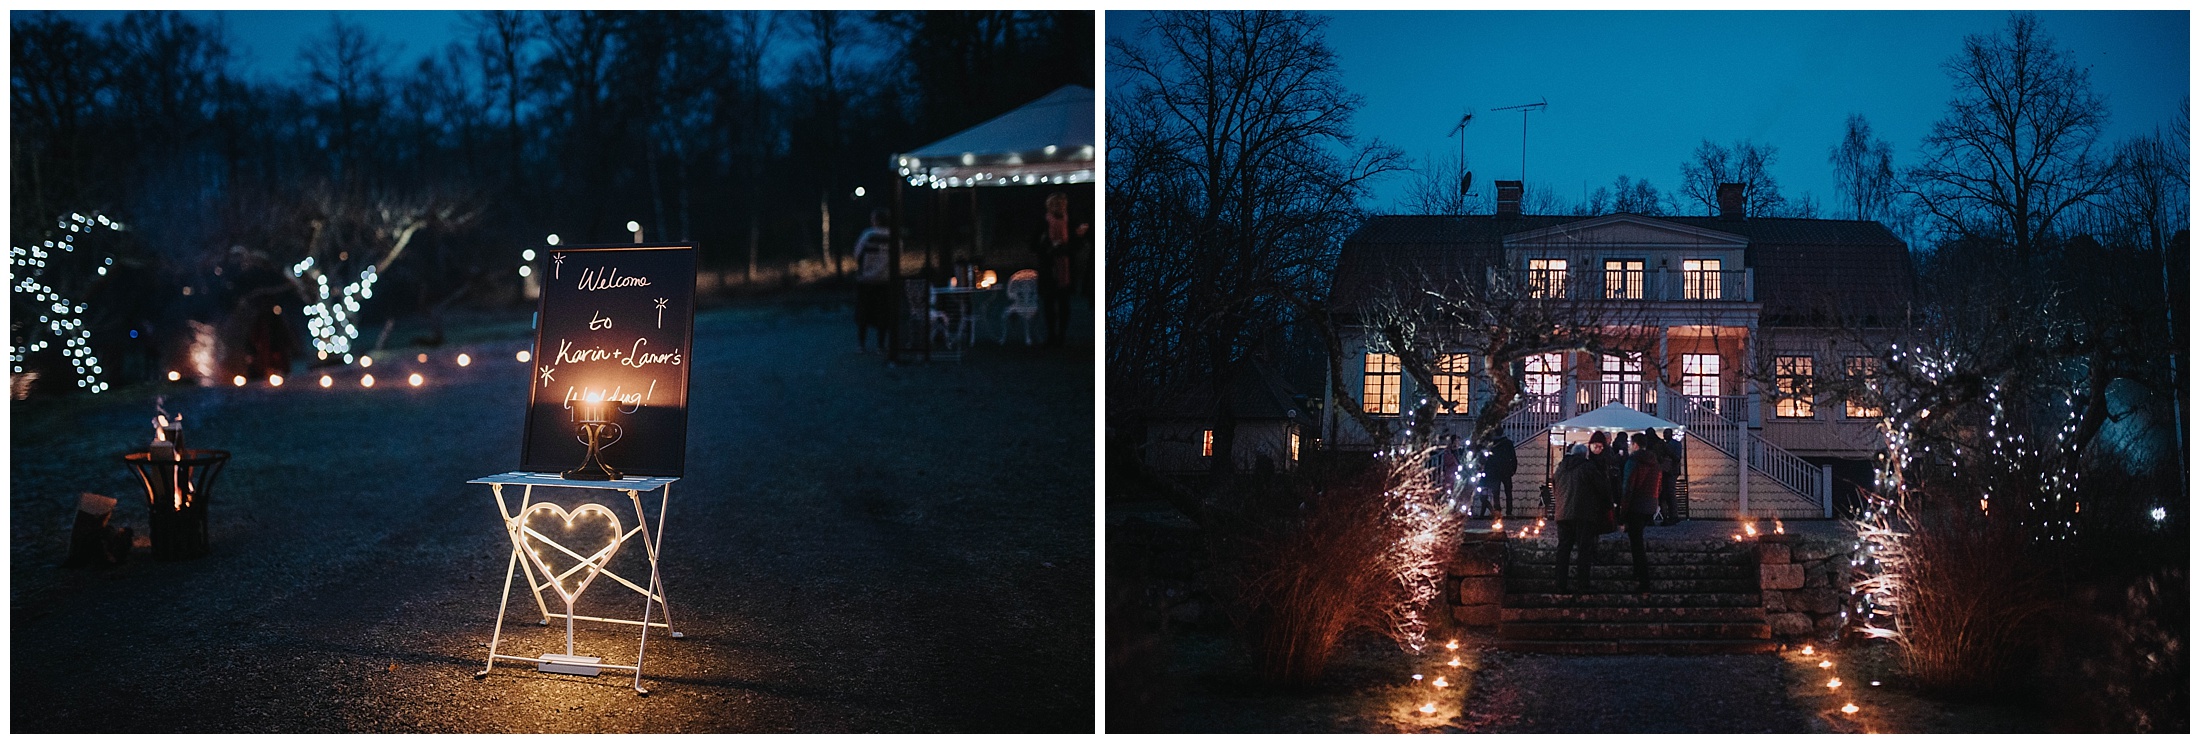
[[58, 317]]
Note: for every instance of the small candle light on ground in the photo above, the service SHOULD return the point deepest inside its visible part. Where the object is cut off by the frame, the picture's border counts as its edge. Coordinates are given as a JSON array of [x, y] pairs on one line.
[[1452, 646], [238, 380], [1834, 683], [1850, 709], [415, 379], [274, 380], [523, 356], [464, 360], [1807, 651], [366, 380], [1428, 708], [366, 361], [421, 357], [1440, 682], [174, 375], [1828, 664], [1454, 662], [327, 381]]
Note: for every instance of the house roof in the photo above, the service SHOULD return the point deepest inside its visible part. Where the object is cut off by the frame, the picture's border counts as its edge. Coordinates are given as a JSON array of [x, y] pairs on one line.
[[1804, 266]]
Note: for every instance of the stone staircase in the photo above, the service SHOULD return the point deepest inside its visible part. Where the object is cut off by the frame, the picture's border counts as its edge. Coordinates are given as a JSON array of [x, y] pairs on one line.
[[1703, 599]]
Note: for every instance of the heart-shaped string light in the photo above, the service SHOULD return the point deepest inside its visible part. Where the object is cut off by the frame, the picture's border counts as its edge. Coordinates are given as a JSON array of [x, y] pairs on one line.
[[587, 566]]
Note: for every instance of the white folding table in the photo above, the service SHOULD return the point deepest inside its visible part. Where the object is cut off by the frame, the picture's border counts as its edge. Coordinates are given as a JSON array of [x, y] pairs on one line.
[[586, 567]]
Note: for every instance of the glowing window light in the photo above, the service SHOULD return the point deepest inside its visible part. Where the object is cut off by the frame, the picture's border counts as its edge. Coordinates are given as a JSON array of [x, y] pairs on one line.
[[415, 379], [327, 381], [366, 380], [464, 360], [174, 376], [523, 356], [238, 380], [274, 380]]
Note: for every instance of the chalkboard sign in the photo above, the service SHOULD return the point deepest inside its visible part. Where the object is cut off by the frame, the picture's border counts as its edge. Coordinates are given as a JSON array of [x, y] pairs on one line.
[[616, 323]]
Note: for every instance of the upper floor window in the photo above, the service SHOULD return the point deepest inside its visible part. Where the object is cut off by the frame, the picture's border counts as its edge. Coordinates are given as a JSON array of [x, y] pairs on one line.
[[1379, 390], [1207, 443], [1700, 279], [1622, 279], [1453, 383], [1294, 445], [1791, 379], [1546, 277], [1863, 370]]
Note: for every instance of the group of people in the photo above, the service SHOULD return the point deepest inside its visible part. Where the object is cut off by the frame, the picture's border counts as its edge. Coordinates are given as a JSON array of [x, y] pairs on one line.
[[1601, 486], [1058, 248], [1498, 463]]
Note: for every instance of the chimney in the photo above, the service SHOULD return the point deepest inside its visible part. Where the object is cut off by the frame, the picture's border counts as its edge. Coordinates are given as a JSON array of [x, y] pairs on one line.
[[1508, 198], [1731, 204]]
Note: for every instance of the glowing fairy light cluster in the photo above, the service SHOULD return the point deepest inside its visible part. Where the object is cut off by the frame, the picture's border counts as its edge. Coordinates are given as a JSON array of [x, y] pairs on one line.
[[331, 317], [59, 317]]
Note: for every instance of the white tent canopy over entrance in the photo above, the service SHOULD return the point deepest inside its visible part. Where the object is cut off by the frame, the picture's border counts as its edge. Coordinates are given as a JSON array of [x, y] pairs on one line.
[[1615, 417]]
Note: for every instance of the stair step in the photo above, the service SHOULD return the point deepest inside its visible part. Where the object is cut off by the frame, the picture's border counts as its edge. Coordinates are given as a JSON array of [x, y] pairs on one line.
[[1663, 631], [1611, 556], [1616, 586], [1632, 614], [1671, 648], [1626, 570], [1652, 543], [1631, 599]]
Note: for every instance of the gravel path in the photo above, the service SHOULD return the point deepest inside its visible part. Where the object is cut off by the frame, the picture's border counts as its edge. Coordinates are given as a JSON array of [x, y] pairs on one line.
[[856, 548], [1539, 693]]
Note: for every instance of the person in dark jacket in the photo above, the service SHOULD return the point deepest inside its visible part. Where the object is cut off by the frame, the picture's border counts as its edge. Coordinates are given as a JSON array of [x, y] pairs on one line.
[[1498, 467], [1580, 498], [1639, 501], [1669, 460], [1608, 460]]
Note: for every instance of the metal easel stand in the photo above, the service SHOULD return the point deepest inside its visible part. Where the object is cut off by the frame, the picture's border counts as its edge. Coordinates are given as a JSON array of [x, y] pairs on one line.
[[589, 567]]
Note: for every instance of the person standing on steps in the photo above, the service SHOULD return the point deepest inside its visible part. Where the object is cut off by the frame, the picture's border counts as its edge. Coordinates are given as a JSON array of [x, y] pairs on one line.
[[1581, 501], [1669, 459], [1499, 463], [1639, 501]]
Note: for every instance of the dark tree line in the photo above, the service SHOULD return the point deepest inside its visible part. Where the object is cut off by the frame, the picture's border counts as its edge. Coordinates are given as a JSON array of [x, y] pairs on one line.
[[733, 129]]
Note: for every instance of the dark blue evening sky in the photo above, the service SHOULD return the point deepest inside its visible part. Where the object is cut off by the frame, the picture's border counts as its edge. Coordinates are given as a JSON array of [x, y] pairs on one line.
[[267, 42], [1634, 92]]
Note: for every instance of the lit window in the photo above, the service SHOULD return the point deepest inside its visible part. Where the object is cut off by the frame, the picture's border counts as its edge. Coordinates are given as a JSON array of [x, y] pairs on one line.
[[1863, 370], [1207, 443], [1294, 445], [1379, 391], [1620, 379], [1622, 280], [1791, 379], [1700, 378], [1546, 277], [1541, 379], [1453, 383], [1700, 279]]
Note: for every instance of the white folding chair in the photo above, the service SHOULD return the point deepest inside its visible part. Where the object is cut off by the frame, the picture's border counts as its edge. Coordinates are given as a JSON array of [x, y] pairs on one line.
[[1023, 300]]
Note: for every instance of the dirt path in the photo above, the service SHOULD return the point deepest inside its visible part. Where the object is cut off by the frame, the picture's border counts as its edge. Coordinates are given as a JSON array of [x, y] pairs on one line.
[[856, 548]]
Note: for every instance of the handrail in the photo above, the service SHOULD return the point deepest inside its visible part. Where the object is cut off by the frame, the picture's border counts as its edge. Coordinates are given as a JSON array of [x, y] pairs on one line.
[[1725, 434]]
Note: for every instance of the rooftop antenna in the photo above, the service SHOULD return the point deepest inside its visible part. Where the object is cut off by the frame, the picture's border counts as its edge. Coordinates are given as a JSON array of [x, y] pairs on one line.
[[1466, 177], [1524, 108]]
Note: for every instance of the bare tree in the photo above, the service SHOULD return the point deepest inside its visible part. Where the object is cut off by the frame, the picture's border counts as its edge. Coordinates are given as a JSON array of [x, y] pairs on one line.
[[1439, 186], [1863, 170], [1636, 196], [2016, 149], [1746, 163], [1256, 139], [346, 70], [502, 39]]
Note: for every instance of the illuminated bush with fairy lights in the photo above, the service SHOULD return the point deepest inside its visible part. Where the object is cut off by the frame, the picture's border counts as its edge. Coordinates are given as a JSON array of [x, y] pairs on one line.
[[51, 277]]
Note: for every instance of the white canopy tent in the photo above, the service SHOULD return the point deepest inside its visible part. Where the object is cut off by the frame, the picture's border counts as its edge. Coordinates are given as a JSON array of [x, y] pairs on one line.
[[1614, 417], [1046, 141]]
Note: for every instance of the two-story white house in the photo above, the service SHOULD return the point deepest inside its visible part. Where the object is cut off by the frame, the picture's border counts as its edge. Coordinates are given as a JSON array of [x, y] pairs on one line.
[[1722, 324]]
